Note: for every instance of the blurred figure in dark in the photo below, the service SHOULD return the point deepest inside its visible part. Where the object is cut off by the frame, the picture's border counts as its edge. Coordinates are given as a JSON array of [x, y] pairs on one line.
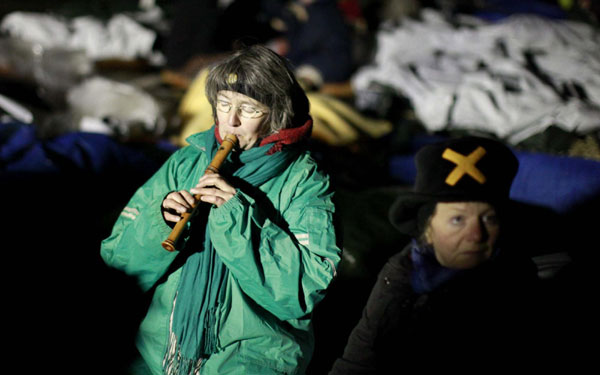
[[315, 38], [311, 34]]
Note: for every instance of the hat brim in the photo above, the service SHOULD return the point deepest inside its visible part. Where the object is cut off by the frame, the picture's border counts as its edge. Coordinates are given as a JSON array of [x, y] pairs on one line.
[[403, 213]]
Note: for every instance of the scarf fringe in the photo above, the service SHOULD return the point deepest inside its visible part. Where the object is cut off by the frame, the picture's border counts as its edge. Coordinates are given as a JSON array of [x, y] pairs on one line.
[[173, 362]]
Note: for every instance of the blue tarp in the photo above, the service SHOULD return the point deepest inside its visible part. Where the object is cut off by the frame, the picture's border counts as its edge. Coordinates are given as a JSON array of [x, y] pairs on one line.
[[22, 152], [495, 10], [557, 182]]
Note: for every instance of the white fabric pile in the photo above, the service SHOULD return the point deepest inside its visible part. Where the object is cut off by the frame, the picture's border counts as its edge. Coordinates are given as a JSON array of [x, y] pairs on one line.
[[512, 78], [121, 37], [111, 107]]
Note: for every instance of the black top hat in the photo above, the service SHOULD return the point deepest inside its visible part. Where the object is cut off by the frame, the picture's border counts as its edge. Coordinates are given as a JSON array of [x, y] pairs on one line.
[[462, 169]]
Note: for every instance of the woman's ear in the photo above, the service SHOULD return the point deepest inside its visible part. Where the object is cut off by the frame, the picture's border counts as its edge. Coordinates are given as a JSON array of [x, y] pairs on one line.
[[427, 237], [424, 216]]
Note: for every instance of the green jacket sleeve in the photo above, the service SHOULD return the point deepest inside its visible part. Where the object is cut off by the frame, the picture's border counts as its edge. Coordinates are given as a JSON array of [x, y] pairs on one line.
[[134, 245], [284, 268]]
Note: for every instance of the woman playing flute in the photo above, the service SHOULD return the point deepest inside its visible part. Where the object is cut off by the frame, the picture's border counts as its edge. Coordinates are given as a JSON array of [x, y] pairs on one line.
[[236, 296]]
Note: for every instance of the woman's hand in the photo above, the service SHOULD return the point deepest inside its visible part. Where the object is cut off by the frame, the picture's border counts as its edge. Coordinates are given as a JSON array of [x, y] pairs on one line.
[[214, 189], [175, 204]]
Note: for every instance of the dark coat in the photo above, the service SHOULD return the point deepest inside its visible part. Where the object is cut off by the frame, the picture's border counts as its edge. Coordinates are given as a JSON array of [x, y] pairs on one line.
[[484, 315]]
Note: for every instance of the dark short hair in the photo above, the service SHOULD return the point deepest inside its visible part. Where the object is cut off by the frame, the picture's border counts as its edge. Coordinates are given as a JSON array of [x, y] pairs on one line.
[[259, 73]]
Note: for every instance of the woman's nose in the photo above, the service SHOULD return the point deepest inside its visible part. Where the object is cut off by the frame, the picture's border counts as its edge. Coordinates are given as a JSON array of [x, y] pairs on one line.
[[233, 119], [476, 231]]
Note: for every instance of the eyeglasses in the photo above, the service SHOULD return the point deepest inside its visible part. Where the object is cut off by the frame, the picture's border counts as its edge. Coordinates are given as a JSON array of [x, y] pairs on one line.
[[244, 110]]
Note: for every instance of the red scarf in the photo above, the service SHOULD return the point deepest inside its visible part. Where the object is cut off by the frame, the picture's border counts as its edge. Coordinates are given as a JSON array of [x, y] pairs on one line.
[[283, 137]]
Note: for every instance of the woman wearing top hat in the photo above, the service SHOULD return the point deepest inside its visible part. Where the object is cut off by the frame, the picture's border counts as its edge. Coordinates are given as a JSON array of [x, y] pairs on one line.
[[457, 295]]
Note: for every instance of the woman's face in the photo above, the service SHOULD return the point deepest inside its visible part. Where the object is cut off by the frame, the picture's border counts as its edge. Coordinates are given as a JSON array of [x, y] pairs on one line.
[[463, 234], [240, 115]]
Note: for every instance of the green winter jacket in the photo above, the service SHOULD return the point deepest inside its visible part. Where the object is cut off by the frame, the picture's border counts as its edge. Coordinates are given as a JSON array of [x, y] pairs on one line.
[[276, 275]]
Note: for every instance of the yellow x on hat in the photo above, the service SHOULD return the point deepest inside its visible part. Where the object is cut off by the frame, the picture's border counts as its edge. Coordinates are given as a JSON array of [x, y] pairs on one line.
[[464, 165]]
